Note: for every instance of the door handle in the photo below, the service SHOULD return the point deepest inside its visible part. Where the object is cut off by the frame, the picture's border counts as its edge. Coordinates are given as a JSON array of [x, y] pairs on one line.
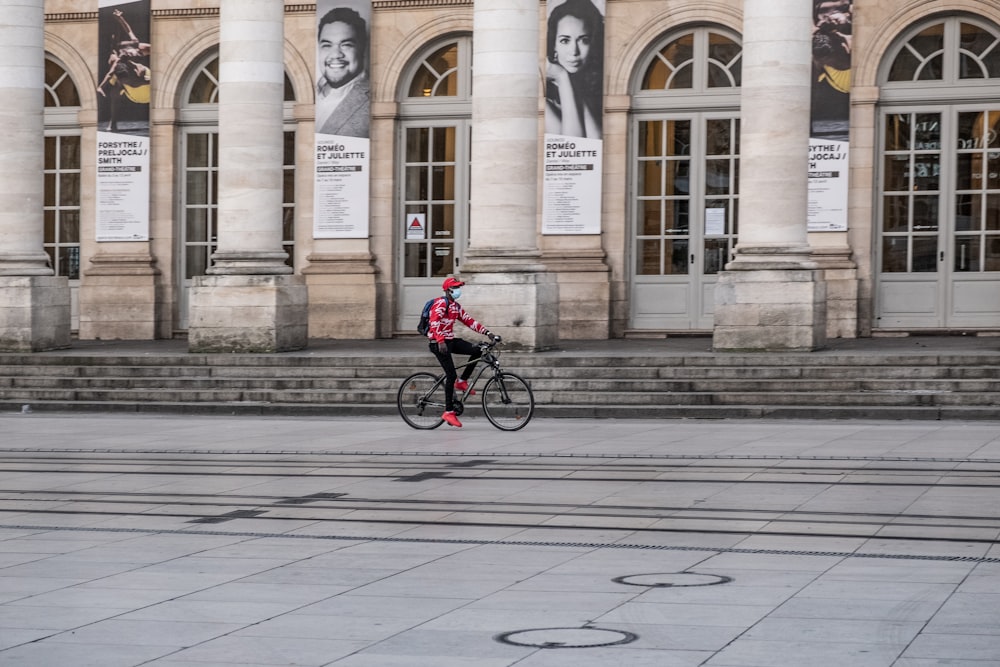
[[942, 256]]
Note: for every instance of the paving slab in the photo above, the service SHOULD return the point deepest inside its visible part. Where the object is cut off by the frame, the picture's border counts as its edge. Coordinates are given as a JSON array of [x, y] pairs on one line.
[[182, 541]]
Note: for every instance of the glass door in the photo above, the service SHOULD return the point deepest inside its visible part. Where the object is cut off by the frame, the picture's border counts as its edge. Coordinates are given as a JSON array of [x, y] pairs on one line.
[[685, 217], [434, 210], [939, 246]]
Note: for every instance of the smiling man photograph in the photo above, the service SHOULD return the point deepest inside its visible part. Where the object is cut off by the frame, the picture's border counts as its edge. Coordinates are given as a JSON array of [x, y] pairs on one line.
[[342, 92]]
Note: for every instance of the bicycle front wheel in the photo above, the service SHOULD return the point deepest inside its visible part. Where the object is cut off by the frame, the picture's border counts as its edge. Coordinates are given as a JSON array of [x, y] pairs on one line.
[[508, 402], [420, 400]]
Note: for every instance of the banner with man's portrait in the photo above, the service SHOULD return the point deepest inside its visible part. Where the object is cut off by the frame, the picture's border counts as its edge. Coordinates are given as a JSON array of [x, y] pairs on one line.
[[343, 115], [123, 162], [574, 109], [830, 116]]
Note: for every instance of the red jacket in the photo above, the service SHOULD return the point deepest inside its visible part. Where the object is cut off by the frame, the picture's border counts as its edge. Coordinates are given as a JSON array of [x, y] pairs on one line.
[[444, 312]]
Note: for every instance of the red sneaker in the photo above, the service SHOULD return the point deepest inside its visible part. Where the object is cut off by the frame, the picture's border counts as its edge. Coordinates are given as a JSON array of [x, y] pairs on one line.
[[461, 385], [451, 419]]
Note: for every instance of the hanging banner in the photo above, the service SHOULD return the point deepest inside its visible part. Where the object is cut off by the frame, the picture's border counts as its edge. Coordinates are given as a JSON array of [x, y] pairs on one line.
[[830, 117], [574, 95], [123, 176], [343, 113]]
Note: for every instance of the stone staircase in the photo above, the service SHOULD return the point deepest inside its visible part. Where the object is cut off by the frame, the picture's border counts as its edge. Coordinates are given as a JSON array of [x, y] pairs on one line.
[[606, 381]]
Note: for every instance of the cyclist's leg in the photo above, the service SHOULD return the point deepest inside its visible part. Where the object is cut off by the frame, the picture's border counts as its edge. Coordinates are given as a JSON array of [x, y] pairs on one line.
[[459, 346], [450, 375]]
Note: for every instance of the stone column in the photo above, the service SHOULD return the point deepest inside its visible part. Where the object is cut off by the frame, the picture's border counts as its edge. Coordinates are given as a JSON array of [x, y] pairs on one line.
[[772, 295], [250, 302], [509, 289], [34, 303]]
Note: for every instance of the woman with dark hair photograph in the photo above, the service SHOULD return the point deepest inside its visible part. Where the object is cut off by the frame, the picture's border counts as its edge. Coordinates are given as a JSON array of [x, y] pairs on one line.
[[573, 81]]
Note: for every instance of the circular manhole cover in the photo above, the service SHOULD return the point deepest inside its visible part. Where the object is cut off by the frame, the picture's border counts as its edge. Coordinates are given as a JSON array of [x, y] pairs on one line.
[[566, 637], [672, 579]]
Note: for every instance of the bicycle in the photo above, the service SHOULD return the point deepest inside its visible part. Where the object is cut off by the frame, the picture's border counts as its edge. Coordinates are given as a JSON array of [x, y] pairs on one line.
[[507, 399]]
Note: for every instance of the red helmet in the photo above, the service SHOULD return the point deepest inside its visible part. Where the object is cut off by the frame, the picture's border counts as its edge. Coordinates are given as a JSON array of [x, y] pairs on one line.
[[451, 283]]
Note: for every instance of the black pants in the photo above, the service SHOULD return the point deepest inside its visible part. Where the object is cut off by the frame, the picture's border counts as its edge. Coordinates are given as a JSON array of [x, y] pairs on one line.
[[456, 346]]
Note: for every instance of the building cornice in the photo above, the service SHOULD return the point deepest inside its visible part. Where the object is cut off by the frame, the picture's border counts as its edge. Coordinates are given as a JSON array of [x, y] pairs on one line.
[[70, 17]]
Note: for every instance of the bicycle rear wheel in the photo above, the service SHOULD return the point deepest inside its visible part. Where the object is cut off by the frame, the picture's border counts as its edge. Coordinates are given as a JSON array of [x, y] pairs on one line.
[[508, 402], [420, 400]]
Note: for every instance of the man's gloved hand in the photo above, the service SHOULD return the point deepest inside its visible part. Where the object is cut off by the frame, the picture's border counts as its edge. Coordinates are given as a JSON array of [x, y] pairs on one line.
[[494, 337], [442, 347]]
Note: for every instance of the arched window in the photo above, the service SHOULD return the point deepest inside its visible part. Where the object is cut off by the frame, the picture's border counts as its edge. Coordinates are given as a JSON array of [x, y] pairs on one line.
[[685, 176], [62, 171], [433, 158], [948, 51], [939, 177], [697, 60], [199, 163]]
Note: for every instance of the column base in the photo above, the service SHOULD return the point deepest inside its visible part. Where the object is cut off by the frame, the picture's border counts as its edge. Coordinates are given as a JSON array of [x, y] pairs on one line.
[[521, 307], [770, 310], [118, 299], [34, 313], [248, 314], [342, 296], [584, 292]]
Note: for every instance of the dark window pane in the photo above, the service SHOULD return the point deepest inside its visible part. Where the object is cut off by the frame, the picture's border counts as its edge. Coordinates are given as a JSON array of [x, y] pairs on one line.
[[443, 185], [417, 142], [649, 217], [442, 259], [650, 138], [926, 172], [50, 152], [442, 223], [967, 213], [717, 177], [444, 144], [69, 189], [716, 255], [678, 257], [678, 177], [416, 183], [897, 173], [196, 225], [894, 254], [925, 254], [967, 250], [69, 226], [897, 132], [895, 217], [650, 178], [648, 257], [49, 222], [992, 259], [197, 150], [718, 136], [925, 213]]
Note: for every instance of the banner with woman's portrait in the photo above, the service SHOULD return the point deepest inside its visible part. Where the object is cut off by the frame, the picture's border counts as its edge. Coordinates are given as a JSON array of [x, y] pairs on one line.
[[830, 116], [574, 110], [343, 113], [123, 177]]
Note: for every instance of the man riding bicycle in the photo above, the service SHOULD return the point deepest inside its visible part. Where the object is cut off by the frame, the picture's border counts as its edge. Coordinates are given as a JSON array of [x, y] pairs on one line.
[[444, 311]]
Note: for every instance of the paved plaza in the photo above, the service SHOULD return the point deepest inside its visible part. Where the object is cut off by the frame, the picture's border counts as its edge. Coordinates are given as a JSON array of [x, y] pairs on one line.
[[191, 541]]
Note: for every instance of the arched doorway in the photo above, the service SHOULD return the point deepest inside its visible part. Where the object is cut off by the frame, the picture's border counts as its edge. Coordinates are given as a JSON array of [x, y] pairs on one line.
[[199, 162], [434, 135], [938, 229], [685, 177], [62, 180]]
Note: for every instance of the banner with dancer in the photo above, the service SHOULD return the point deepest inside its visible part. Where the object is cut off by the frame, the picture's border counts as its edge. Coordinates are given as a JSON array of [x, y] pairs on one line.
[[829, 165], [574, 94], [343, 113], [123, 177]]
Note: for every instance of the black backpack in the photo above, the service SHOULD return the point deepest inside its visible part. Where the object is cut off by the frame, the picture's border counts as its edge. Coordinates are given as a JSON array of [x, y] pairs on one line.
[[424, 325]]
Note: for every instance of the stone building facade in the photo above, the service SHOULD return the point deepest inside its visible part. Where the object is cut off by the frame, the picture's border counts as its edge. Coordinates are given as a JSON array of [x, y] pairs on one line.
[[719, 244]]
